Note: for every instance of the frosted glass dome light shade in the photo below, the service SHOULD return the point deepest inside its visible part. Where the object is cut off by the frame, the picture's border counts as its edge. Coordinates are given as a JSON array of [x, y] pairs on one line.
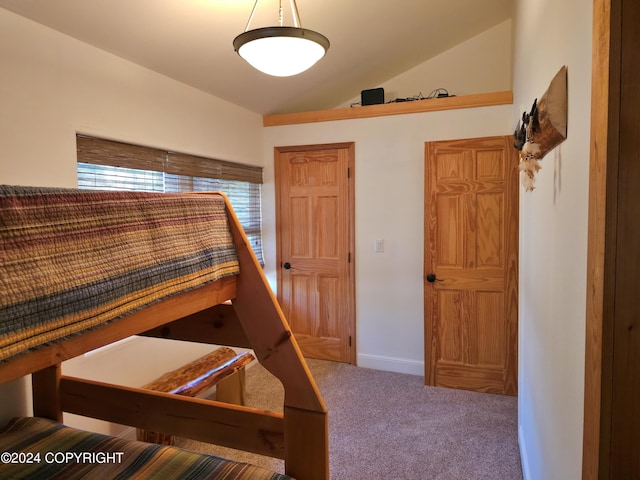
[[281, 51]]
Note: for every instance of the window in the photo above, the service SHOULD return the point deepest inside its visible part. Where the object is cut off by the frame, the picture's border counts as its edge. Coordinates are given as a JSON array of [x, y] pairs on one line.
[[108, 165]]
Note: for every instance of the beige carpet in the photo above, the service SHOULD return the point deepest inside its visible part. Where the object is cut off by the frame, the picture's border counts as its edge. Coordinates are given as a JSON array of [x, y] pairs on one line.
[[385, 425]]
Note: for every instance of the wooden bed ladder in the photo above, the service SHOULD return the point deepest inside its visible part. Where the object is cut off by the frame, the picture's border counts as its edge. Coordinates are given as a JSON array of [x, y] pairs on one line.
[[306, 428]]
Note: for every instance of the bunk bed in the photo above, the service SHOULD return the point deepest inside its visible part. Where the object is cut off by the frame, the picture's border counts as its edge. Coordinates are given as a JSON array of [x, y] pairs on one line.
[[82, 269]]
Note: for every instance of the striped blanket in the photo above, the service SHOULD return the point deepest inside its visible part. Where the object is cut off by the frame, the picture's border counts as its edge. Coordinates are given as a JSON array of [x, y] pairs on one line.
[[72, 260], [36, 448]]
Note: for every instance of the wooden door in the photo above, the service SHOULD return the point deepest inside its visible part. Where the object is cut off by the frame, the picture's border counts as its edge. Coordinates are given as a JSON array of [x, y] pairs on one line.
[[314, 204], [471, 247]]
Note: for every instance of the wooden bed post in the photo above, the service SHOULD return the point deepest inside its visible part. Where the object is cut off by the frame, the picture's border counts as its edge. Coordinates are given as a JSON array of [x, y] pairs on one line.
[[306, 452], [306, 433], [46, 393]]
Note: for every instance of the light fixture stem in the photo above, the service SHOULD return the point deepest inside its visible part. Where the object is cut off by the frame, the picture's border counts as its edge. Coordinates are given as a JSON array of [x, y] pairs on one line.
[[253, 10], [294, 14], [294, 11]]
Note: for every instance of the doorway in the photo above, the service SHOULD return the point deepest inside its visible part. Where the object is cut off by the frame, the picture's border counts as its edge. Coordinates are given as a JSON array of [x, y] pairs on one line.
[[315, 247], [611, 441]]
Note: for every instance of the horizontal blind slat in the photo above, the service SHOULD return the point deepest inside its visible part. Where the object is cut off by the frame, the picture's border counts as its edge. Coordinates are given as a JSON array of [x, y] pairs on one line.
[[107, 152], [184, 164], [135, 168]]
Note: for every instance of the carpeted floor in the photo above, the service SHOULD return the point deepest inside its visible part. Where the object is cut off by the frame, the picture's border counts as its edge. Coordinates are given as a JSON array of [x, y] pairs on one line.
[[385, 425]]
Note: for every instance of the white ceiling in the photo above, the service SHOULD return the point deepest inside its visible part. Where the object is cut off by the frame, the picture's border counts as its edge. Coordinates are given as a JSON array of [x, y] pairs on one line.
[[191, 41]]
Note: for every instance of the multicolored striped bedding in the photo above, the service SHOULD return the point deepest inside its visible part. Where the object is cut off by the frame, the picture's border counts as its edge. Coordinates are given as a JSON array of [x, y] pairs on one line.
[[36, 448], [72, 260]]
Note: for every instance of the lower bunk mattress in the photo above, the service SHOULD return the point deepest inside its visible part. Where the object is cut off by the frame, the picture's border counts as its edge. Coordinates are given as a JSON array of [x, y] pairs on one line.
[[37, 448]]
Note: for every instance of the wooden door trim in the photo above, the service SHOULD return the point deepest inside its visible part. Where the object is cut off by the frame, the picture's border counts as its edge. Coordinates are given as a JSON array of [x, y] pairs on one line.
[[350, 147], [611, 309], [314, 147], [512, 216], [594, 382]]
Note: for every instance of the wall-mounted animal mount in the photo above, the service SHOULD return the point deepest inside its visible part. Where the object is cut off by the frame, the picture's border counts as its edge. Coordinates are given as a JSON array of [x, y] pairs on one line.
[[542, 129]]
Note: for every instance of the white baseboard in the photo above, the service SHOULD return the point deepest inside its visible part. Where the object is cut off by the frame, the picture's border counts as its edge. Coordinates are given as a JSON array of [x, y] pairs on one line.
[[391, 364], [526, 474]]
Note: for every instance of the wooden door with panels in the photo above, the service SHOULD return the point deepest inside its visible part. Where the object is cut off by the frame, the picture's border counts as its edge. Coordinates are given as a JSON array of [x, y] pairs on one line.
[[471, 261], [315, 245]]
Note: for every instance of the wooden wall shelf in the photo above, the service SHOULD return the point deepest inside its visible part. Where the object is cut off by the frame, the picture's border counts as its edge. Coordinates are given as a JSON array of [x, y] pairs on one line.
[[417, 106]]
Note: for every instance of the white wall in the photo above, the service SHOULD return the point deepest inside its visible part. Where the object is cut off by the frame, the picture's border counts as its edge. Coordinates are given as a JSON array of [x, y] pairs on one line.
[[553, 243], [52, 86], [482, 64], [389, 191]]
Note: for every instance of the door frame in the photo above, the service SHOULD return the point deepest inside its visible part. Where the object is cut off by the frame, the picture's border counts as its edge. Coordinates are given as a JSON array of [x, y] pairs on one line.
[[350, 147], [611, 310]]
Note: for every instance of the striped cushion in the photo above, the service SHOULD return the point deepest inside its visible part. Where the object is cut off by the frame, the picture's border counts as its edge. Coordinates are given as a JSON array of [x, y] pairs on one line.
[[73, 260], [43, 449]]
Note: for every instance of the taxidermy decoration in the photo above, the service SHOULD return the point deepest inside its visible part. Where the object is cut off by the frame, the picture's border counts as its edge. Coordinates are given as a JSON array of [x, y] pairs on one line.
[[542, 129]]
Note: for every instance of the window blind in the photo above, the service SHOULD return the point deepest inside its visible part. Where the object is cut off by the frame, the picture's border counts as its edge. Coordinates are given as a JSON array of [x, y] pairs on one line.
[[109, 165]]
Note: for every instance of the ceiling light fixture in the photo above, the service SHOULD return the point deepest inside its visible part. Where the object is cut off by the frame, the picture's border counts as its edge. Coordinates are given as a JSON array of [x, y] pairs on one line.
[[281, 51]]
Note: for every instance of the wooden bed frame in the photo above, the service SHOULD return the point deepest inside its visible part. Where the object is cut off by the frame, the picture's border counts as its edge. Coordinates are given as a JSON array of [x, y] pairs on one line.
[[252, 319]]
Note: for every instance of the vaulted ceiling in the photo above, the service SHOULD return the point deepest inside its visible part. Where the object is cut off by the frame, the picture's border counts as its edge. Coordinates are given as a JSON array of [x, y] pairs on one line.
[[191, 41]]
